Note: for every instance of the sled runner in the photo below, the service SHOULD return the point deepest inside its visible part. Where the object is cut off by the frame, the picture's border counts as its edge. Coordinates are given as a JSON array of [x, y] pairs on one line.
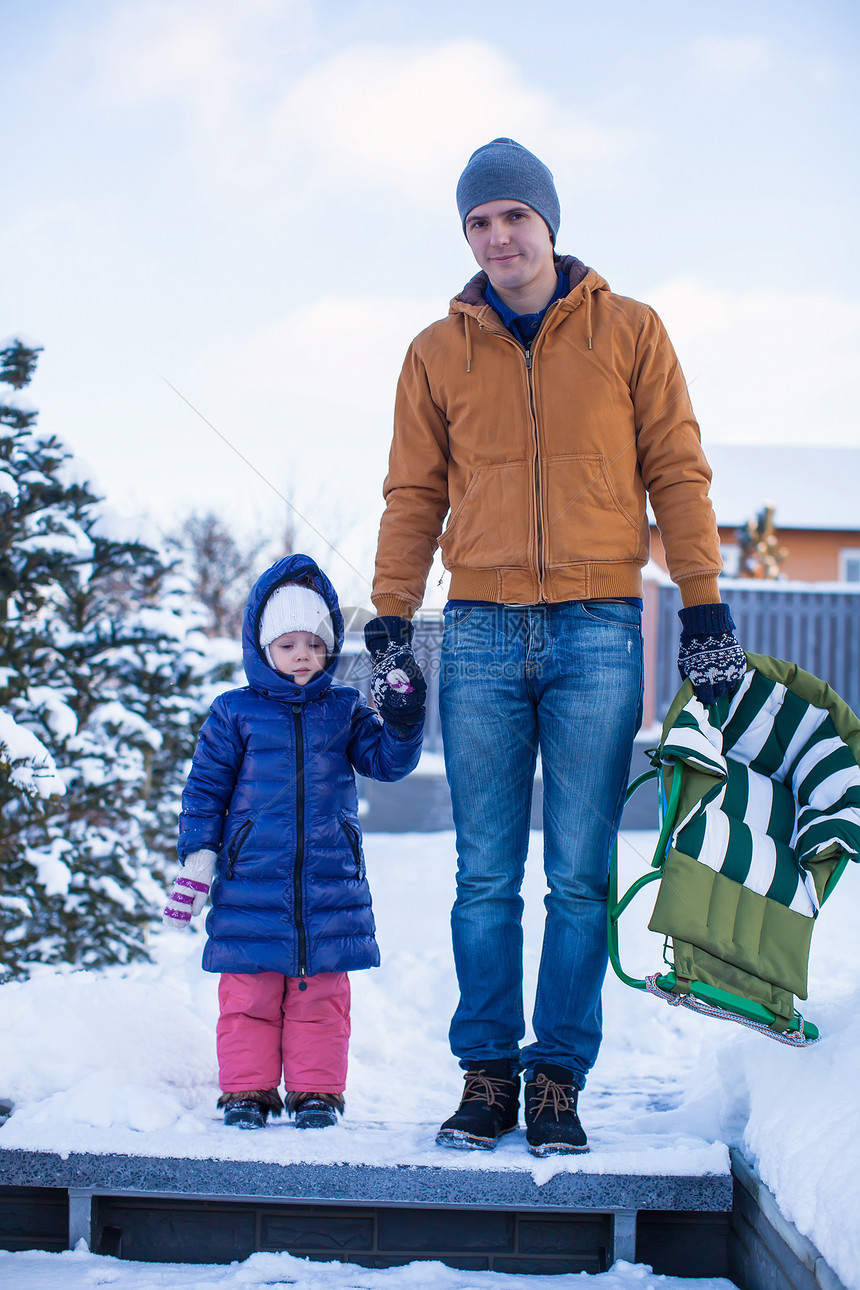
[[760, 812]]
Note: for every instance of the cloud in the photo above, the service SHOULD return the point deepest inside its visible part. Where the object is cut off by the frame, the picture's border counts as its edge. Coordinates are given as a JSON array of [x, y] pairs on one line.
[[260, 109], [208, 55], [306, 401], [767, 366], [732, 55], [397, 117], [340, 352]]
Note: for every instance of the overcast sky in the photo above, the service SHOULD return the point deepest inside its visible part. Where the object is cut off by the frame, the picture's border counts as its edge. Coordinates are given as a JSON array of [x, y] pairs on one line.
[[254, 202]]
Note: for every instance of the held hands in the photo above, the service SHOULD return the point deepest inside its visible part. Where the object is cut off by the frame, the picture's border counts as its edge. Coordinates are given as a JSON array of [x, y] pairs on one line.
[[190, 889], [397, 685], [710, 655]]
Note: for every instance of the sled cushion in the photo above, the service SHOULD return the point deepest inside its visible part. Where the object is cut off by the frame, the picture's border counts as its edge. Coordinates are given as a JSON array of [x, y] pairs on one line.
[[770, 804], [732, 925]]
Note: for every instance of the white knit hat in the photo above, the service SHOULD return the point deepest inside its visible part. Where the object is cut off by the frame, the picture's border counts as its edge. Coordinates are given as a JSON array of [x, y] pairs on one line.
[[292, 608]]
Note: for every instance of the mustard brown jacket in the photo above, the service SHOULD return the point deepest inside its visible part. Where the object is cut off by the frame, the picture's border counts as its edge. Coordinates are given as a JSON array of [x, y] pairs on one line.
[[543, 457]]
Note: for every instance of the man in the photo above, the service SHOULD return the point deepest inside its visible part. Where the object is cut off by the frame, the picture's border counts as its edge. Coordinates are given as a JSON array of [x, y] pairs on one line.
[[539, 412]]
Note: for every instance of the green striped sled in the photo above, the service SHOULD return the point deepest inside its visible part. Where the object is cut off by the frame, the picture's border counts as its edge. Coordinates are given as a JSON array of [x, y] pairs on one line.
[[786, 790]]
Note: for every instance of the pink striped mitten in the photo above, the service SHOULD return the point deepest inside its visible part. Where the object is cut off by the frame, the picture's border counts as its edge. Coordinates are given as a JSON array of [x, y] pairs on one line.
[[190, 889]]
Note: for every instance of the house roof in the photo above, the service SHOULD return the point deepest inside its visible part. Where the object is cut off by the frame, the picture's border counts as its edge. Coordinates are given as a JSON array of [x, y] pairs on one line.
[[811, 488]]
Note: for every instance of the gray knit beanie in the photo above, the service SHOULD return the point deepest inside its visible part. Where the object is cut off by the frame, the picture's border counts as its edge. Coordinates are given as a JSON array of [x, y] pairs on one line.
[[504, 168]]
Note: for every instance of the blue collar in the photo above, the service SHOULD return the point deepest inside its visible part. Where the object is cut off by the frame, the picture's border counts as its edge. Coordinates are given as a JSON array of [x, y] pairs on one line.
[[524, 326]]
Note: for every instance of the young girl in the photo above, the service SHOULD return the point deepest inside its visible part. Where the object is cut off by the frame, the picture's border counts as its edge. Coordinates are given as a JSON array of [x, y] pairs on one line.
[[270, 821]]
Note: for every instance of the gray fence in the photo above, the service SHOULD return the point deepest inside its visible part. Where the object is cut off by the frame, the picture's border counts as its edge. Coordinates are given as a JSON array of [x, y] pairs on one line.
[[817, 630]]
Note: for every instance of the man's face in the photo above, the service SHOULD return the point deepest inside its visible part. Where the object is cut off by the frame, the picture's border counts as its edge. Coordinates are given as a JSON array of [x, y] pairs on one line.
[[511, 243]]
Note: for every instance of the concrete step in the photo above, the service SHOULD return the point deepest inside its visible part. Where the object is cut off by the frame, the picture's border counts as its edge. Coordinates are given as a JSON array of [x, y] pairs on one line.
[[192, 1210]]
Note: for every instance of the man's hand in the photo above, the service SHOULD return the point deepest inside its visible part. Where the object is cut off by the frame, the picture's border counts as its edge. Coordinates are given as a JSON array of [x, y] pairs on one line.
[[710, 654], [397, 685], [190, 889]]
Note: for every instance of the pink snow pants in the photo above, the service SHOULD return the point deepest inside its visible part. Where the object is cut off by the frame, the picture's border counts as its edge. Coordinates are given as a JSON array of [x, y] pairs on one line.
[[268, 1025]]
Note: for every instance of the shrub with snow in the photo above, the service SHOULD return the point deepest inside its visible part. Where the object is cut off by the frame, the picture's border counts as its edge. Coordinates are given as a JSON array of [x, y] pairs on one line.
[[106, 676]]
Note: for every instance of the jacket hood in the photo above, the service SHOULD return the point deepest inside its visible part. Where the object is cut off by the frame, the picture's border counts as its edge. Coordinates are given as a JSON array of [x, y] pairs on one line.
[[260, 676], [473, 292], [582, 281]]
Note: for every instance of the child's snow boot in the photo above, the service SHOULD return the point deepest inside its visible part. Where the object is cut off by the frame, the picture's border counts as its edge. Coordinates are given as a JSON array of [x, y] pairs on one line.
[[250, 1110], [314, 1110], [552, 1122], [489, 1107]]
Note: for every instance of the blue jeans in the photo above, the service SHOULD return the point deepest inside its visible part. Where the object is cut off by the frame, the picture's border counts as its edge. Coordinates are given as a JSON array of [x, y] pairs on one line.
[[565, 679]]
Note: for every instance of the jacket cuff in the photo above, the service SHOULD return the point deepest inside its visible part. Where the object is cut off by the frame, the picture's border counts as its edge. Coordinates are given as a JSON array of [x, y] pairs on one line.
[[406, 733], [393, 607], [185, 850], [700, 589]]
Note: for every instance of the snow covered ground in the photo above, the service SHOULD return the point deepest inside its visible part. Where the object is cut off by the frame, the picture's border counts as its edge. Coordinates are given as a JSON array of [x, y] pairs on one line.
[[80, 1270], [124, 1061]]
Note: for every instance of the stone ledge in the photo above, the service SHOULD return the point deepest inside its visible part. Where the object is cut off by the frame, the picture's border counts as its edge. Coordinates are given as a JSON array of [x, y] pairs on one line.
[[362, 1184]]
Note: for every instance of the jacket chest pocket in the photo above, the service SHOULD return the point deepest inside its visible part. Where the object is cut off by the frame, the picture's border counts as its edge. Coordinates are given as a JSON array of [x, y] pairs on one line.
[[353, 836]]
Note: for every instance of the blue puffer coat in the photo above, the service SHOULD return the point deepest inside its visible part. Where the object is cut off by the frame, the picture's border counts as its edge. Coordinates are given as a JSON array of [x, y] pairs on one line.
[[272, 790]]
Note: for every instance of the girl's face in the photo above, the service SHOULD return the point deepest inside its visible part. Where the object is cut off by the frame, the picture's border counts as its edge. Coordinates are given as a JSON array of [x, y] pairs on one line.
[[300, 655]]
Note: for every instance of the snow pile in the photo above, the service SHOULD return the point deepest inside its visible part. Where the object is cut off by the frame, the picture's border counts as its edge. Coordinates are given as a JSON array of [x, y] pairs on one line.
[[802, 1125], [123, 1060], [80, 1270], [118, 1052], [33, 769]]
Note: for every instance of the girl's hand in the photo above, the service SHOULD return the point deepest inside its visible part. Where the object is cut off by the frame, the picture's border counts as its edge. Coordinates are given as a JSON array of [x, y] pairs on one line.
[[190, 890], [397, 684]]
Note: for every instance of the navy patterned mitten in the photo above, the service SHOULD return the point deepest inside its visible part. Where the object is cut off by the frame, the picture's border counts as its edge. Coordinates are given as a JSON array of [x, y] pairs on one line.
[[397, 684], [710, 654]]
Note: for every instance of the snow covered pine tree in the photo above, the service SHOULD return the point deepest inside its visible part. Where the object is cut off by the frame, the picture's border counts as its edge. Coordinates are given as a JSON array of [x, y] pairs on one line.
[[103, 662]]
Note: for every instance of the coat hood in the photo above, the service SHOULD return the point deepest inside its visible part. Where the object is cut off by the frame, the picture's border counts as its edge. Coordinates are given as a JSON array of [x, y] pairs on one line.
[[265, 679], [473, 292], [582, 281]]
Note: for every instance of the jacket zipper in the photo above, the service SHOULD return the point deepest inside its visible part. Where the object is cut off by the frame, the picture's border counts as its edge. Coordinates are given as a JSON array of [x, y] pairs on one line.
[[300, 842], [527, 350], [236, 846], [537, 481]]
